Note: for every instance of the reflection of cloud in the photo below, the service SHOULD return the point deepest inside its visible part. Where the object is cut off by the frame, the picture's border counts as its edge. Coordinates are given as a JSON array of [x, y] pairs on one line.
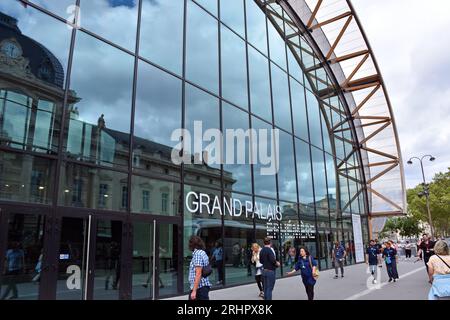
[[102, 77]]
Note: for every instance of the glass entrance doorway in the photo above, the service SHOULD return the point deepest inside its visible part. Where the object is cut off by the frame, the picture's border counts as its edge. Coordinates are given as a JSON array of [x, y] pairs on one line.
[[22, 237], [89, 258], [154, 259]]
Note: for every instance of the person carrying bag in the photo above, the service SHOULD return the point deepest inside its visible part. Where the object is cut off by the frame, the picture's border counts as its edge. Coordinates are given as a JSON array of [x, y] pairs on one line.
[[309, 272], [439, 272]]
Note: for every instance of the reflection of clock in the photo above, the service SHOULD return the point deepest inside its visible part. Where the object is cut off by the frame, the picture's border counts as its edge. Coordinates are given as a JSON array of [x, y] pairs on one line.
[[11, 49]]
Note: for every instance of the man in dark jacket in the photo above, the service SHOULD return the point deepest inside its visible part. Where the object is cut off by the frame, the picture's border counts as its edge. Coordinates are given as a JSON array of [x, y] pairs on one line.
[[268, 260]]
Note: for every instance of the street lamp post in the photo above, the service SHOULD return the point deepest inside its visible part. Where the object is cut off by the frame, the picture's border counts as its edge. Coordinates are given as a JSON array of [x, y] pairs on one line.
[[426, 190]]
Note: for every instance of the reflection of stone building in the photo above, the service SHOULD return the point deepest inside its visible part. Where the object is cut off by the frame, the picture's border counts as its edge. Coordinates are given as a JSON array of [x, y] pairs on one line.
[[31, 95]]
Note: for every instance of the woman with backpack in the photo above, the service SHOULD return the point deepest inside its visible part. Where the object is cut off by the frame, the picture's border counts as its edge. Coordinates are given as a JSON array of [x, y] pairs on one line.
[[309, 272], [198, 282]]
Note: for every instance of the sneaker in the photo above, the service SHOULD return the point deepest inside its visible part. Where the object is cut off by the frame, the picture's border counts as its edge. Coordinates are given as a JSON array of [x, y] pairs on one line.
[[390, 280], [218, 282], [336, 276], [374, 281], [395, 280], [342, 275], [261, 294]]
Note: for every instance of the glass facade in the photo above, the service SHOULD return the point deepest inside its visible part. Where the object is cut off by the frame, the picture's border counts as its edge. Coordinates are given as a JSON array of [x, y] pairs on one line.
[[86, 122]]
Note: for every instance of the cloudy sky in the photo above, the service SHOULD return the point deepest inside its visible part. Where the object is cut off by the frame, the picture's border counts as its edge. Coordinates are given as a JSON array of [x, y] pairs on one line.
[[410, 42]]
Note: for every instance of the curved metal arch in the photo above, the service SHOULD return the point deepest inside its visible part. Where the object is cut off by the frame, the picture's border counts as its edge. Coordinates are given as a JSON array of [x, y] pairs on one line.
[[344, 65]]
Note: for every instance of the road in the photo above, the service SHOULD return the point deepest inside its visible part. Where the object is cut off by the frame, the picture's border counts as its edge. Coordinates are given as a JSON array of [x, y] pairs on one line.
[[356, 285]]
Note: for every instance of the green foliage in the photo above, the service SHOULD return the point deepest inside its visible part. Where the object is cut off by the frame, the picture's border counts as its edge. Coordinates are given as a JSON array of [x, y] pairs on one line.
[[408, 226], [439, 190]]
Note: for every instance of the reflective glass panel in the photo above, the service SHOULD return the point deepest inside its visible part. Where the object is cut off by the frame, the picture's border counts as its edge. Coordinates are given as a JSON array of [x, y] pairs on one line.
[[155, 196], [100, 103], [281, 101], [24, 256], [202, 113], [202, 48], [287, 185], [264, 183], [299, 110], [157, 116], [237, 169], [259, 84], [232, 14], [164, 46], [277, 46], [256, 26], [114, 20], [203, 220], [315, 130], [234, 68], [26, 178], [87, 187], [304, 175]]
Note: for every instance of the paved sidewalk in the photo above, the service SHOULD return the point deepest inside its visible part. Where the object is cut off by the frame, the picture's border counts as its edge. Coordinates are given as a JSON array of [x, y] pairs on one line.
[[356, 285]]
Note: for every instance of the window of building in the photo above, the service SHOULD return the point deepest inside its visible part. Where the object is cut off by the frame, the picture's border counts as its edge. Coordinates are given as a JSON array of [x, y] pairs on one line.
[[145, 200], [164, 202], [102, 194], [124, 197]]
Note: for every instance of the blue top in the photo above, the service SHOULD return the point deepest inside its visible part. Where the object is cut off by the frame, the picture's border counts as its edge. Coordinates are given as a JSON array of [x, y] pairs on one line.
[[440, 287], [306, 269], [218, 254], [199, 259], [389, 255], [15, 259], [372, 252], [339, 252]]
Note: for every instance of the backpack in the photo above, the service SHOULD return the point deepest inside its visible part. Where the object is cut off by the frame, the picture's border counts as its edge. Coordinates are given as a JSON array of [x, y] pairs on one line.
[[207, 270]]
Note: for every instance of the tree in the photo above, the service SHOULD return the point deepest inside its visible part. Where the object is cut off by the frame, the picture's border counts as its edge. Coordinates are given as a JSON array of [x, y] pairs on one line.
[[439, 190], [408, 226]]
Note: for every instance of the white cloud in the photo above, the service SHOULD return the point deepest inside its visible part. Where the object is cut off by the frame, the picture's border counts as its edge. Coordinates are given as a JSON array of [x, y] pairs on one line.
[[409, 42]]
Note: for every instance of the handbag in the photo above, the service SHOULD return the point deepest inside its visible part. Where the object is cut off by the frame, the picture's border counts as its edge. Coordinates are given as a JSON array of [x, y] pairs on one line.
[[315, 273]]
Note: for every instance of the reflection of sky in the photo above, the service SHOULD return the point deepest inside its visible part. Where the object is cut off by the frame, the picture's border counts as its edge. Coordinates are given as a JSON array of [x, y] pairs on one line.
[[127, 3], [102, 75]]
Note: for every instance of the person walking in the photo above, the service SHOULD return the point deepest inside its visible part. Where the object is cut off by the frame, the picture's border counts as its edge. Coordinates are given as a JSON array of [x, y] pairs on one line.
[[426, 249], [308, 270], [217, 261], [270, 263], [380, 251], [338, 256], [439, 272], [290, 261], [389, 255], [199, 284], [256, 249], [15, 264], [408, 248], [372, 259]]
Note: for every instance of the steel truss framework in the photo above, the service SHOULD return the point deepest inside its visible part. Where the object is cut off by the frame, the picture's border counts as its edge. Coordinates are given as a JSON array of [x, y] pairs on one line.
[[327, 40]]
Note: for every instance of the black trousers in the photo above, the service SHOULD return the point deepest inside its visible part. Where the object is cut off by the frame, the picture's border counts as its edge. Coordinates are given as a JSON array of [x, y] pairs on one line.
[[259, 282], [219, 266], [202, 294], [309, 291], [408, 253]]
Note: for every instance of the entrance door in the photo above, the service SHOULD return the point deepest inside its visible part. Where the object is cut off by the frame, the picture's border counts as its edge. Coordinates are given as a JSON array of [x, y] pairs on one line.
[[23, 260], [89, 258], [154, 259]]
